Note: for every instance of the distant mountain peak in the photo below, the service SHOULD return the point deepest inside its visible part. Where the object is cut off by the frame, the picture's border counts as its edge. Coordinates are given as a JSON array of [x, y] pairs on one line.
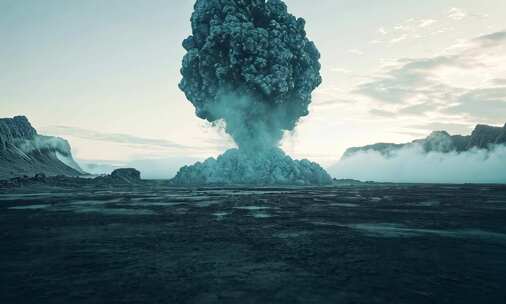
[[482, 137], [435, 134], [15, 128], [24, 152]]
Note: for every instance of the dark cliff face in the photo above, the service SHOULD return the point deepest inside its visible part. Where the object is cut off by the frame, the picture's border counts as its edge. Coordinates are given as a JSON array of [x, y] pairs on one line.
[[438, 141], [502, 136], [482, 137], [24, 152], [12, 129]]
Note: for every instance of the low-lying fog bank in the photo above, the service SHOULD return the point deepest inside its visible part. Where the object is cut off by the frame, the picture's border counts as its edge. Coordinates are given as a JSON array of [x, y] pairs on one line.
[[412, 164]]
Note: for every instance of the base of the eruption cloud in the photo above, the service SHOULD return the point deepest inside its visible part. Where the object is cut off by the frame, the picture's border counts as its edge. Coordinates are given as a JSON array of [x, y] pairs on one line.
[[268, 167]]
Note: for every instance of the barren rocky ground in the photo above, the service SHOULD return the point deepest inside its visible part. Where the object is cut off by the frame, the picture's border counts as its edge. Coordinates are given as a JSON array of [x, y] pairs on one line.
[[352, 244]]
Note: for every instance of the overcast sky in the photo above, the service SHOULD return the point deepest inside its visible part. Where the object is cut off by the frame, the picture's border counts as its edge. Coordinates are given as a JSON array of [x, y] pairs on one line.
[[104, 75]]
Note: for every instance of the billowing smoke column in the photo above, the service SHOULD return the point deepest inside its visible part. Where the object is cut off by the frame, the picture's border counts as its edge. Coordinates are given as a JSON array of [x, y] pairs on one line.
[[250, 64]]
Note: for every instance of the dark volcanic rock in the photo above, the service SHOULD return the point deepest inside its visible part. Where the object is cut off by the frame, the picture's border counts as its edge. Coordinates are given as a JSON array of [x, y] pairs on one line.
[[16, 128], [24, 152], [118, 178], [483, 137], [502, 137], [123, 176], [126, 174]]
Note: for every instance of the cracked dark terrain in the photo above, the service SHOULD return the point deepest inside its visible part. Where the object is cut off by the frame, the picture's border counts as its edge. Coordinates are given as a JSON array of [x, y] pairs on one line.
[[349, 244]]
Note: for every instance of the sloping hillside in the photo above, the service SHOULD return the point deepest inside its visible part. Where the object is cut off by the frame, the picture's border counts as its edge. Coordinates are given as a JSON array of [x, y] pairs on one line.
[[24, 152]]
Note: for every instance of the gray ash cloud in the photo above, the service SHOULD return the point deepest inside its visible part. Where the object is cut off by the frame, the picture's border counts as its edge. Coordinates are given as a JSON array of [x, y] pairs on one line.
[[264, 167], [250, 64]]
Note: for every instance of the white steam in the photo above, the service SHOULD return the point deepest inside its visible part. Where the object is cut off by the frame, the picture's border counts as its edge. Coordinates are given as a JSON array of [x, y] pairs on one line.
[[59, 147], [40, 143], [413, 164]]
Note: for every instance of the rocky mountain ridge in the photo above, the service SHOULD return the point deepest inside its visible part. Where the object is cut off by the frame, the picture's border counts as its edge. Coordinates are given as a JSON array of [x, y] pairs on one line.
[[24, 152], [482, 137]]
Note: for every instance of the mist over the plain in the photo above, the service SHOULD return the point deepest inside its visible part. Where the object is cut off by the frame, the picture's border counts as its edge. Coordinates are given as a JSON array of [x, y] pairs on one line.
[[156, 168], [413, 165], [409, 165]]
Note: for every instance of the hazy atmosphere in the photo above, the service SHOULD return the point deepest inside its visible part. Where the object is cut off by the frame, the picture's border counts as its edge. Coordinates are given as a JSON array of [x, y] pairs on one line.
[[104, 75], [253, 151]]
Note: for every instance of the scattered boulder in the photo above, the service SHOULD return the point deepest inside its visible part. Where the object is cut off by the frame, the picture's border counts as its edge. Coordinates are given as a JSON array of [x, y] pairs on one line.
[[129, 175]]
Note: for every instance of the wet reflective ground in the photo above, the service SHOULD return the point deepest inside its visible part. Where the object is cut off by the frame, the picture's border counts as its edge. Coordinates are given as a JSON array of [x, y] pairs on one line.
[[153, 244]]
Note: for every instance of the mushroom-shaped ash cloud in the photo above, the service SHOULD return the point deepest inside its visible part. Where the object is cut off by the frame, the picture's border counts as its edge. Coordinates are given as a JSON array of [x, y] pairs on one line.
[[250, 64]]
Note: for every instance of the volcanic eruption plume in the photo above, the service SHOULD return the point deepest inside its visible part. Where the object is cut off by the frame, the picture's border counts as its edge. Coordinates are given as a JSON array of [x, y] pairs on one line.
[[250, 64]]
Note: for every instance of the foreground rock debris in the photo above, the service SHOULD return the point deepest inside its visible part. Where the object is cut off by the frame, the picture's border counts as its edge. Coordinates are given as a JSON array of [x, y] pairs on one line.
[[118, 178]]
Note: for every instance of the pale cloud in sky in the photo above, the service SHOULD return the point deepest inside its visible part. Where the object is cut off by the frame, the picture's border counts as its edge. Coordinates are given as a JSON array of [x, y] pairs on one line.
[[98, 145], [426, 22], [356, 52], [341, 70], [399, 38], [111, 137], [456, 14], [462, 84]]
